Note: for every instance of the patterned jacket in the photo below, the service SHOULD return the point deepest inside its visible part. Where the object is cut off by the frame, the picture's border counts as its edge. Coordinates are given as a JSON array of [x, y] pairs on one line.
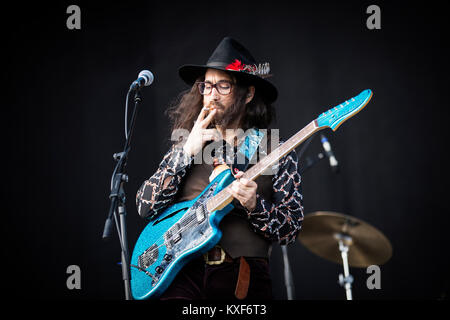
[[277, 219]]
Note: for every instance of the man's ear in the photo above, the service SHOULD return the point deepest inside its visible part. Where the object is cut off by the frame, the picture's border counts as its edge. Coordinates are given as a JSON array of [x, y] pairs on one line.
[[250, 94]]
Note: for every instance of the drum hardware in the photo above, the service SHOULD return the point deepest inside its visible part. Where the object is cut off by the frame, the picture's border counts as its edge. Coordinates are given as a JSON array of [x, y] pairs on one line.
[[344, 240]]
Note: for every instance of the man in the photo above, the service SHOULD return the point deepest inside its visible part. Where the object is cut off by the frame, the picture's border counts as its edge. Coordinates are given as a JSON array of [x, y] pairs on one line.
[[229, 92]]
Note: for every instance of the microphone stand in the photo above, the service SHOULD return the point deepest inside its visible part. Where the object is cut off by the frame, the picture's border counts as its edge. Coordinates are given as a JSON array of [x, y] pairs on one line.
[[118, 198], [311, 161], [287, 274]]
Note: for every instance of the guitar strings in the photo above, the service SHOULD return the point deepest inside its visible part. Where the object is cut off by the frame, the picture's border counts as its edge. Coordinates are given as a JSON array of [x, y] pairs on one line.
[[189, 218], [221, 197]]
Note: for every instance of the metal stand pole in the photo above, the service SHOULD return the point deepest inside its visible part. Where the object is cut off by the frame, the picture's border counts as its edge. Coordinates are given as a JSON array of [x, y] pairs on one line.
[[345, 280], [287, 274], [288, 279], [118, 199]]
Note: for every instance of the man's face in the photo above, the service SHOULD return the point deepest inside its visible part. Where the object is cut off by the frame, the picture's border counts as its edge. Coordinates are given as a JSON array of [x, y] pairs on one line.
[[221, 102]]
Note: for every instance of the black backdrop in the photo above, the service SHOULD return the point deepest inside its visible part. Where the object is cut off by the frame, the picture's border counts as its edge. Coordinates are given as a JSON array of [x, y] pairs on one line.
[[63, 119]]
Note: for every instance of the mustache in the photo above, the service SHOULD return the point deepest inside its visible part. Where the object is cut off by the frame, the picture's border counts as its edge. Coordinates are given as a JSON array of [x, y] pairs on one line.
[[215, 103]]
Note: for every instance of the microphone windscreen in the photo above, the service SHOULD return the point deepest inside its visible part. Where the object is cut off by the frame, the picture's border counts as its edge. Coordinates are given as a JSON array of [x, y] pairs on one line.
[[148, 76]]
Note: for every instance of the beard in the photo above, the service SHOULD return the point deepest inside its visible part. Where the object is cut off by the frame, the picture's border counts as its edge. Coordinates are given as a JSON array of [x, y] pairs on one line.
[[225, 117]]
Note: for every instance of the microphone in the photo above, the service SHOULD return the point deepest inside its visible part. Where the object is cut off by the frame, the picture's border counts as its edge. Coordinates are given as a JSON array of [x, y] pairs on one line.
[[145, 78], [327, 147]]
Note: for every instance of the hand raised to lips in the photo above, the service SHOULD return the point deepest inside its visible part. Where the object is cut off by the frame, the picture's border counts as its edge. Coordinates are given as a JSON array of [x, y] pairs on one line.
[[199, 133]]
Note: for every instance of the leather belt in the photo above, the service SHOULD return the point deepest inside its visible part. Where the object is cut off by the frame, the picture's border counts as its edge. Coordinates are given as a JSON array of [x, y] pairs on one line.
[[218, 256]]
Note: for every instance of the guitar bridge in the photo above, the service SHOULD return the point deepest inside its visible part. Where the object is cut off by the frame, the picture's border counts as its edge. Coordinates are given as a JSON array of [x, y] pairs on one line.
[[149, 257]]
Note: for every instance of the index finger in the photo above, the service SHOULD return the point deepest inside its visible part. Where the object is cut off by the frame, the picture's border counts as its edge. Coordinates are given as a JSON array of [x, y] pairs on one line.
[[247, 182]]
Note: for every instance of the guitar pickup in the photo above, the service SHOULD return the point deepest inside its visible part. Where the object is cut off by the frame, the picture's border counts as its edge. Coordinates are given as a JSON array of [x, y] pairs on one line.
[[200, 213], [173, 235]]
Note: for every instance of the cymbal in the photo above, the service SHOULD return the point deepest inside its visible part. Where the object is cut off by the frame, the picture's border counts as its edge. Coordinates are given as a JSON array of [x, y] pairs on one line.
[[367, 245]]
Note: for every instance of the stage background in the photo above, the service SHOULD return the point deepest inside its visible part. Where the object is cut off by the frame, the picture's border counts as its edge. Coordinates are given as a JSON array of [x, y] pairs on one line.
[[63, 114]]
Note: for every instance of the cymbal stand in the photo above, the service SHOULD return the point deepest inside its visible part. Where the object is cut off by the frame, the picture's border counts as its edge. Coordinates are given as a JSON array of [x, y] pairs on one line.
[[346, 279]]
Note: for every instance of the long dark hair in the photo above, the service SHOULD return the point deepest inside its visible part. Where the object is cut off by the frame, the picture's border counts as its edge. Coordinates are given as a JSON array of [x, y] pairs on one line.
[[259, 113]]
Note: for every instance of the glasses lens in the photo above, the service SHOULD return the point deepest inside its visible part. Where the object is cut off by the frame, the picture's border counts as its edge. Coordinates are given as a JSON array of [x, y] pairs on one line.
[[204, 88], [223, 87]]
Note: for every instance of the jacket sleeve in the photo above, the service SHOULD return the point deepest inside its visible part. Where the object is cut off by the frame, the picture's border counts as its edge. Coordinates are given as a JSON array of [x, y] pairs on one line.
[[280, 218], [156, 193]]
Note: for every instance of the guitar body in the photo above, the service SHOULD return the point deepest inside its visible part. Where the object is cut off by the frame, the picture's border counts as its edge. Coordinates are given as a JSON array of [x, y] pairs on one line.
[[182, 232]]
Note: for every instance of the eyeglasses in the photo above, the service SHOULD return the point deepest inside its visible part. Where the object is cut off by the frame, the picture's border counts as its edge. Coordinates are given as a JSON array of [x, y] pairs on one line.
[[223, 87]]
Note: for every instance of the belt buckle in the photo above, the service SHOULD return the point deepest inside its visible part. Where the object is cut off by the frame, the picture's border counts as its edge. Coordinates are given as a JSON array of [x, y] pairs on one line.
[[222, 257]]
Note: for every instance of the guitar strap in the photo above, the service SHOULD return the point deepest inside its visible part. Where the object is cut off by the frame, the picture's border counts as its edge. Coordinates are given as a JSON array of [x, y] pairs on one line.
[[241, 162], [247, 150]]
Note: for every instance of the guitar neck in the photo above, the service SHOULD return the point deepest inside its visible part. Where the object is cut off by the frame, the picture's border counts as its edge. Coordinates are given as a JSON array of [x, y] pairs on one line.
[[223, 198], [332, 118]]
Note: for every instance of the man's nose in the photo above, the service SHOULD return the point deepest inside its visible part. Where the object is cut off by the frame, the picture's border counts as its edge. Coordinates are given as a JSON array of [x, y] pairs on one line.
[[215, 94]]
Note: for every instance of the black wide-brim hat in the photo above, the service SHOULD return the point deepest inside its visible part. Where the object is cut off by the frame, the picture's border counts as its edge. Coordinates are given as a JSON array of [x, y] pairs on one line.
[[233, 57]]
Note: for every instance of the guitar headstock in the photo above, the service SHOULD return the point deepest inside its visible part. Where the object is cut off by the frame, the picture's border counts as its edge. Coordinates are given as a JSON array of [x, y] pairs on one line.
[[336, 116]]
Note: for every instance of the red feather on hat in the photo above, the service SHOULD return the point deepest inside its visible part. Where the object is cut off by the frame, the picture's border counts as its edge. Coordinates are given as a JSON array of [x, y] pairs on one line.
[[236, 65]]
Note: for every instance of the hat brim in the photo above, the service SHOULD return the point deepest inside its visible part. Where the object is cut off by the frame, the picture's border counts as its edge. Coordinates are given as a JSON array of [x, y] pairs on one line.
[[190, 73]]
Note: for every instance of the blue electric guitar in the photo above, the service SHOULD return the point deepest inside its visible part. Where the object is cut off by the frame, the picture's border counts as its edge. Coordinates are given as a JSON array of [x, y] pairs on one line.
[[188, 229]]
